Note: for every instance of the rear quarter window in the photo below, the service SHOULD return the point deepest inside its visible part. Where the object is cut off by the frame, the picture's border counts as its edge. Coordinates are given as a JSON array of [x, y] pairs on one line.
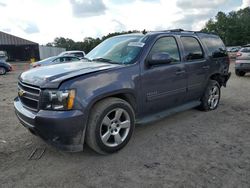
[[215, 46]]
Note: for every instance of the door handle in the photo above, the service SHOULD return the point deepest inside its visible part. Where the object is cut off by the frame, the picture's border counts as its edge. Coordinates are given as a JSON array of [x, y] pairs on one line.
[[206, 67], [180, 72]]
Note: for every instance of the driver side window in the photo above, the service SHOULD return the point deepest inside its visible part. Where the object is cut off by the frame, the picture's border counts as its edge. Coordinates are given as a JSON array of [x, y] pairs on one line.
[[167, 45]]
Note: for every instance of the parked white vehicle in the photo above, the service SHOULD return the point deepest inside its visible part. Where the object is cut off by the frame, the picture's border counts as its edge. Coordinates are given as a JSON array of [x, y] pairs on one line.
[[3, 55], [76, 53]]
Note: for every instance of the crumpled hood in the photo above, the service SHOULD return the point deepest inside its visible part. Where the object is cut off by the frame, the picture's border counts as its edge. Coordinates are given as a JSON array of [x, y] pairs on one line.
[[51, 76]]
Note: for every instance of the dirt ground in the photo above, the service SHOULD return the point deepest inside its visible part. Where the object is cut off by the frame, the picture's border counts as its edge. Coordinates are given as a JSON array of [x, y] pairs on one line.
[[189, 149]]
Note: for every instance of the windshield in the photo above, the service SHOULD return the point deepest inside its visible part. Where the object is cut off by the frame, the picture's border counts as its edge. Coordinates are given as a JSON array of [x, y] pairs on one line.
[[48, 59], [121, 49]]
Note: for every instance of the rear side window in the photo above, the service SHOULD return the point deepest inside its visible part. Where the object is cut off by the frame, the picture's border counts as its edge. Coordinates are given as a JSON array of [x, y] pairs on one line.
[[215, 46], [168, 45], [192, 48]]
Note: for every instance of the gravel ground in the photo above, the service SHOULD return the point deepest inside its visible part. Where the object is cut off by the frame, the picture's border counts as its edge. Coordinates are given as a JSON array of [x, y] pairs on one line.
[[188, 149]]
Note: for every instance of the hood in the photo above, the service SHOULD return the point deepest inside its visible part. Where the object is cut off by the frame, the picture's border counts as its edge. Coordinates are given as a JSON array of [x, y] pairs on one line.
[[51, 76]]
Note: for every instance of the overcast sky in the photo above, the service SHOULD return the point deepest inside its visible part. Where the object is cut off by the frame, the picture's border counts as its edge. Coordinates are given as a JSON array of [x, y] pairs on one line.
[[43, 20]]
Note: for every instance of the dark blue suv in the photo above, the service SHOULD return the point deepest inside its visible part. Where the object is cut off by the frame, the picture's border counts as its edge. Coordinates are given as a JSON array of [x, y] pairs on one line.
[[126, 80]]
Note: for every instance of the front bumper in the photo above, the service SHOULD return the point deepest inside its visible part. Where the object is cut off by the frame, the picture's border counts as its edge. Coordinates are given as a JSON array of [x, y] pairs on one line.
[[62, 129], [242, 67]]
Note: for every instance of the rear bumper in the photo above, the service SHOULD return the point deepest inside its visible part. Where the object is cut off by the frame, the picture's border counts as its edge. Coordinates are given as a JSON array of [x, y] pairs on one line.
[[242, 67], [62, 129]]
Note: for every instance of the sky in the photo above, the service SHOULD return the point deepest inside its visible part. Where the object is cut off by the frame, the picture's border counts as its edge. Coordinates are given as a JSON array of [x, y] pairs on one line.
[[43, 20]]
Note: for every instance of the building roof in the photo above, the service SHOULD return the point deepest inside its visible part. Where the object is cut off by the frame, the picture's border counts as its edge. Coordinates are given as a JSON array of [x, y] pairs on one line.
[[7, 39]]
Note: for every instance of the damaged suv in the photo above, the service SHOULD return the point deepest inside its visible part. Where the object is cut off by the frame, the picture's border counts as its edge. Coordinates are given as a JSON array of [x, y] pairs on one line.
[[126, 80]]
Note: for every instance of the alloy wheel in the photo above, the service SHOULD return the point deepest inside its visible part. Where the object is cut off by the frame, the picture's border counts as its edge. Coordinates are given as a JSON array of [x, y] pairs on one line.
[[214, 97], [2, 71], [115, 127]]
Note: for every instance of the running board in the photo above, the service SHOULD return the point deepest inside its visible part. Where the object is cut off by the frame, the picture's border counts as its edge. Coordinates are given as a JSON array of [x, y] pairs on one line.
[[166, 113]]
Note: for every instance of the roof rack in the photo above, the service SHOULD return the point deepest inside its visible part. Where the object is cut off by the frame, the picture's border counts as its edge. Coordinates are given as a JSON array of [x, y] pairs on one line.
[[175, 30]]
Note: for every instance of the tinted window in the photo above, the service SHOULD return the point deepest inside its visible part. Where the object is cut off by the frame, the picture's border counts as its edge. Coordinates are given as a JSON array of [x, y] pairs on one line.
[[72, 59], [168, 45], [215, 46], [60, 60], [57, 60], [78, 54], [192, 48]]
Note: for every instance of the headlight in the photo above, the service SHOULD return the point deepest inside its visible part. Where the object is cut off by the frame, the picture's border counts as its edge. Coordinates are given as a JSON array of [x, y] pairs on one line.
[[58, 100]]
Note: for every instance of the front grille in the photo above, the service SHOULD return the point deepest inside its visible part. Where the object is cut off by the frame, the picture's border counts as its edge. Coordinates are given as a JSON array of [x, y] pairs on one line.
[[29, 96]]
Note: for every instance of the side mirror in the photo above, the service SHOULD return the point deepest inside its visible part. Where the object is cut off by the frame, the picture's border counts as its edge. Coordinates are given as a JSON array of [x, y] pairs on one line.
[[159, 58]]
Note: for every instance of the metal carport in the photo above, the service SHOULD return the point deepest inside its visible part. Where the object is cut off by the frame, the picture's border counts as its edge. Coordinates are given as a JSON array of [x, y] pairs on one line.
[[18, 49]]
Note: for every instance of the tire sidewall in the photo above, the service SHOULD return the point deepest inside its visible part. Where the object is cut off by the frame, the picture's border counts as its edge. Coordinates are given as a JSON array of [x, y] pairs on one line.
[[98, 126]]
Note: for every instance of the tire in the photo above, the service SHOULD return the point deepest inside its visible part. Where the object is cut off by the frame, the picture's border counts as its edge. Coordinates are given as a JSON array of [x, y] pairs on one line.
[[110, 126], [2, 71], [211, 98], [240, 73]]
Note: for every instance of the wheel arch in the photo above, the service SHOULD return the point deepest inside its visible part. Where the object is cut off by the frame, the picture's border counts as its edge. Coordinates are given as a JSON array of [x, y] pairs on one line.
[[126, 95], [218, 77]]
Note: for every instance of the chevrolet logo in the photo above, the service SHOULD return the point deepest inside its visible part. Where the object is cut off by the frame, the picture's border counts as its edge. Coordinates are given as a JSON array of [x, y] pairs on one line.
[[21, 92]]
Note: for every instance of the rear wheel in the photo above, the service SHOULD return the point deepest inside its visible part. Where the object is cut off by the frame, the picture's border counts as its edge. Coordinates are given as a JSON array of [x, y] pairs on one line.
[[2, 71], [211, 98], [240, 73], [110, 125]]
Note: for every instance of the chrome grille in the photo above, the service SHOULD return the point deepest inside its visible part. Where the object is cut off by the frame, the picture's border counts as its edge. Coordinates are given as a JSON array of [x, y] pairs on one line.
[[29, 96]]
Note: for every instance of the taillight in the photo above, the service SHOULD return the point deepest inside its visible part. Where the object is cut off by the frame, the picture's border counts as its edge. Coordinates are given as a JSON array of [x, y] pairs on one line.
[[238, 54]]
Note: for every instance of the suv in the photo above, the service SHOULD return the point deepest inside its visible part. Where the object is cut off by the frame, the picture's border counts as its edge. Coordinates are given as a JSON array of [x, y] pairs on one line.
[[126, 80], [242, 63]]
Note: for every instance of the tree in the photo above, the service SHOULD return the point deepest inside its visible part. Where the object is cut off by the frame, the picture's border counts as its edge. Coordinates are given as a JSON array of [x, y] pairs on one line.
[[88, 43], [233, 28]]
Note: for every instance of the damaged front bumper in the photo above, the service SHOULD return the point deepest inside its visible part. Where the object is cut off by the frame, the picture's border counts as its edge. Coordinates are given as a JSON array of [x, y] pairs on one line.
[[62, 129]]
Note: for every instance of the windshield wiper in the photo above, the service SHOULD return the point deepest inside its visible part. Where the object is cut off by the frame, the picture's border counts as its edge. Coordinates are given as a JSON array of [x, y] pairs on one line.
[[100, 59], [85, 58]]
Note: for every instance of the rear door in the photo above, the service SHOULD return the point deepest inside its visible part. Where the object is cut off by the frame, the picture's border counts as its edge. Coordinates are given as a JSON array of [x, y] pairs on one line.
[[196, 65]]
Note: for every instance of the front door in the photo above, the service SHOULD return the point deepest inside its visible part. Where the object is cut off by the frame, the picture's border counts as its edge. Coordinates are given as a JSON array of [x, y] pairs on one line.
[[164, 85]]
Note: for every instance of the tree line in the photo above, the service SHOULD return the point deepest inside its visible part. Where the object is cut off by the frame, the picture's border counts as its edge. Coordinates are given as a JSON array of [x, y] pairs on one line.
[[233, 28], [88, 43]]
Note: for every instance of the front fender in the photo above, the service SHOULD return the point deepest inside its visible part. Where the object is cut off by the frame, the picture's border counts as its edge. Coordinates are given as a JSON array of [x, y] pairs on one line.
[[99, 85]]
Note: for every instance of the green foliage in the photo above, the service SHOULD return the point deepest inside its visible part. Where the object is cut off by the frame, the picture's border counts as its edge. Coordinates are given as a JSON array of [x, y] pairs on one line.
[[233, 28], [87, 44]]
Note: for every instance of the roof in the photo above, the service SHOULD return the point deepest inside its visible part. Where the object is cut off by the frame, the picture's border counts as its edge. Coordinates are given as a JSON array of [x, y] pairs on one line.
[[7, 39], [180, 32]]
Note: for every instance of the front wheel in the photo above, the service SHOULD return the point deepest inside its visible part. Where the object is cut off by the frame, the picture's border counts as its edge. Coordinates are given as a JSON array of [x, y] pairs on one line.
[[211, 98], [2, 71], [110, 125]]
